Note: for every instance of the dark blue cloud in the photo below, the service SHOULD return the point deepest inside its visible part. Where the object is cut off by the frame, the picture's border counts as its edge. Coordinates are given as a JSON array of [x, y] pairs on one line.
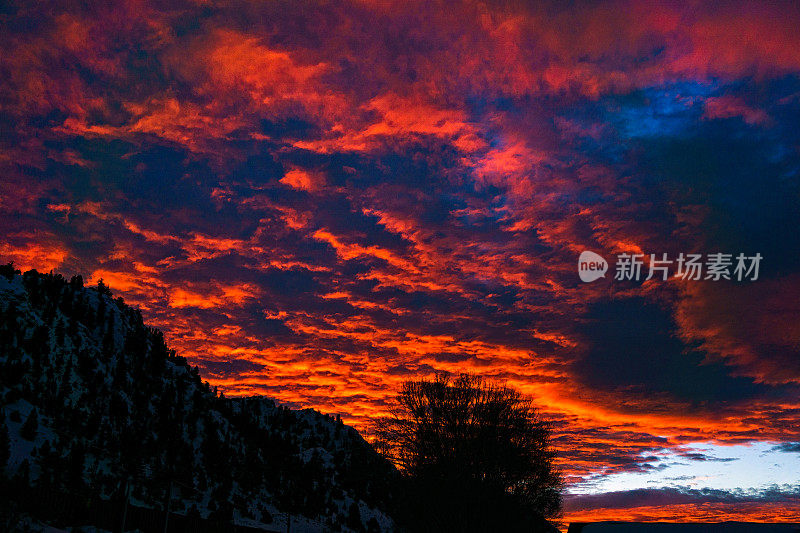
[[633, 346]]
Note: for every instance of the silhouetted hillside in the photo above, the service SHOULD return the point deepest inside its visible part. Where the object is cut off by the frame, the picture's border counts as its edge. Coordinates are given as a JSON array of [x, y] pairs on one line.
[[91, 399]]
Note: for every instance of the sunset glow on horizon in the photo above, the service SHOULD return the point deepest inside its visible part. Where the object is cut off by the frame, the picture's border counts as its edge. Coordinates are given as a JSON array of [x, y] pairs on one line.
[[317, 201]]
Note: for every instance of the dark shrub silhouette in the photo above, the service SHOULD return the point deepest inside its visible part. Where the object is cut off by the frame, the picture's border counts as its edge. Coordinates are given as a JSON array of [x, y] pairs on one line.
[[475, 455]]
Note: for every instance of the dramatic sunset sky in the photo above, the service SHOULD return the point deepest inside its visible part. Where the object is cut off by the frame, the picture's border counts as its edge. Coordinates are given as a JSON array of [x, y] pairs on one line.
[[318, 200]]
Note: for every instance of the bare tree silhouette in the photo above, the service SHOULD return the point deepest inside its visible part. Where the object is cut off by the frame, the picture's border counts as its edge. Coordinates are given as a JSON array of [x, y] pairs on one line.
[[475, 455]]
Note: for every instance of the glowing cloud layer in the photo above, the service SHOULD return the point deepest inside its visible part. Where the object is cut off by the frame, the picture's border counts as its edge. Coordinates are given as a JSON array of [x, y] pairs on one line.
[[316, 201]]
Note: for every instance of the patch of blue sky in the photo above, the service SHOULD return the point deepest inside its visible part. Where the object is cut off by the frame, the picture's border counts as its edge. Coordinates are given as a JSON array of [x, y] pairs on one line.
[[668, 110], [703, 465]]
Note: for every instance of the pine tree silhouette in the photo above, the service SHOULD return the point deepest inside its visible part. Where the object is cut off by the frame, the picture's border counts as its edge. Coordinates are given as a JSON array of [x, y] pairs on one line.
[[30, 428], [5, 444]]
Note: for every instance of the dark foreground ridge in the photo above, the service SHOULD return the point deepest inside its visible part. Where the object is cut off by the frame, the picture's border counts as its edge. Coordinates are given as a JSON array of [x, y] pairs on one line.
[[95, 411]]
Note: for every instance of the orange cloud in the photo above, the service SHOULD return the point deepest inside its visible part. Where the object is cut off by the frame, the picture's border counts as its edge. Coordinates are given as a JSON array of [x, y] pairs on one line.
[[303, 180], [214, 296]]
